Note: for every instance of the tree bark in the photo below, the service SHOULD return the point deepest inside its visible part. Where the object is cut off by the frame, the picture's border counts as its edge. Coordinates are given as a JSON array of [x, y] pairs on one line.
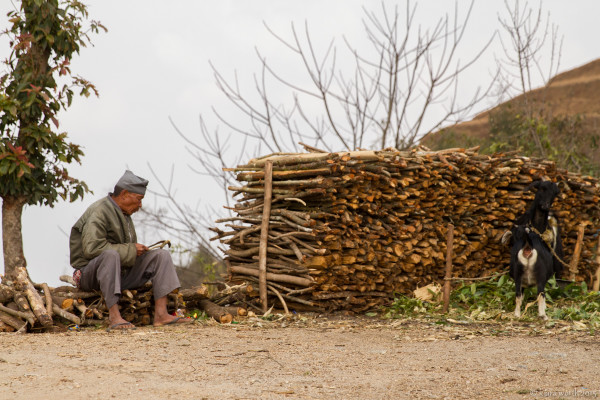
[[12, 237]]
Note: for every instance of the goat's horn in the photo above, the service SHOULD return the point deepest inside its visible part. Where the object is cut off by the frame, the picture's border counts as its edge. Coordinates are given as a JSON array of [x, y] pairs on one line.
[[563, 186], [506, 237]]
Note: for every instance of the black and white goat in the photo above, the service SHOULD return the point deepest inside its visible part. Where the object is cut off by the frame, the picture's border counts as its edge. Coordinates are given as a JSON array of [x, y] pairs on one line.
[[536, 243], [530, 265], [539, 216]]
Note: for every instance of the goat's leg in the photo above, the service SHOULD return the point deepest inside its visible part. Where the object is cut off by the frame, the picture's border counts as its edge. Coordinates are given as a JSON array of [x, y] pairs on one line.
[[541, 300], [518, 299]]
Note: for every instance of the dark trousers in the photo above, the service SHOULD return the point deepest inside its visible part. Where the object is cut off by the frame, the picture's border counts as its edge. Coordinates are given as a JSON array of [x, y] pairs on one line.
[[104, 273]]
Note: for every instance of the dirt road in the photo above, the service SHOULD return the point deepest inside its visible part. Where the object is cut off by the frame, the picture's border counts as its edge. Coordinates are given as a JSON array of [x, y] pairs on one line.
[[308, 358]]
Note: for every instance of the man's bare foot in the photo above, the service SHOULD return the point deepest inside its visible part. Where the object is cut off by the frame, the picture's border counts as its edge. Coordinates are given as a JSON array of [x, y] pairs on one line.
[[171, 319], [116, 321]]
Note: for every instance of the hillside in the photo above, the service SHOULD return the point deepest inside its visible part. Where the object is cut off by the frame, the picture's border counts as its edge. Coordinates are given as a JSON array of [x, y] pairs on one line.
[[571, 99]]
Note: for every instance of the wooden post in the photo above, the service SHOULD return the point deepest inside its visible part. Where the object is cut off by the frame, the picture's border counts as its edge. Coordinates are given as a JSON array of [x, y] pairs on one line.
[[264, 235], [576, 253], [449, 245], [596, 284]]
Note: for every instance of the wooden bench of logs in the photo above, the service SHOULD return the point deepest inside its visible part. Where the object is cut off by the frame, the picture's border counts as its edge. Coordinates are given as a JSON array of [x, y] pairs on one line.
[[75, 307]]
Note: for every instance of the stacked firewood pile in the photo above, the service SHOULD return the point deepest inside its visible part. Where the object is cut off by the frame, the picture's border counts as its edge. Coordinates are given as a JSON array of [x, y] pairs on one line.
[[348, 230], [71, 307]]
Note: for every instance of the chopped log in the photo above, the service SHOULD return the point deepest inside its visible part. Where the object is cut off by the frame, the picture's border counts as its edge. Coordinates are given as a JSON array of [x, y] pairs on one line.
[[26, 315], [264, 233], [294, 280], [13, 306], [215, 311], [236, 311], [237, 294], [24, 284], [97, 313], [195, 293], [47, 298], [21, 302], [6, 328], [145, 319], [79, 304], [63, 302], [11, 320], [65, 314], [6, 293], [67, 279]]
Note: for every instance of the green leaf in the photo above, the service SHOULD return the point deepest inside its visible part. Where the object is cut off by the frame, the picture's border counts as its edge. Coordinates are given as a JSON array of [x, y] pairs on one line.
[[502, 280]]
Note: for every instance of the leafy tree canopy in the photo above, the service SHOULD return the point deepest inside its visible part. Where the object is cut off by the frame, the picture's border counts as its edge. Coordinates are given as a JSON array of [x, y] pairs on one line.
[[35, 85]]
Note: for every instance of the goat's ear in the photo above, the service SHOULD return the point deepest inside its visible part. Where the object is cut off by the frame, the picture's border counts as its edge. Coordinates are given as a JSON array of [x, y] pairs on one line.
[[506, 237], [534, 184]]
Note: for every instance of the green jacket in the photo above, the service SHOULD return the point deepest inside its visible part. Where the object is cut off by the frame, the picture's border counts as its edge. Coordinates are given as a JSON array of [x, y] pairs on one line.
[[103, 226]]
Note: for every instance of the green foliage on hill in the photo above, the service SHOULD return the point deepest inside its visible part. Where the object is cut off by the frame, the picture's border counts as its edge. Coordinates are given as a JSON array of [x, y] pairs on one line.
[[567, 139]]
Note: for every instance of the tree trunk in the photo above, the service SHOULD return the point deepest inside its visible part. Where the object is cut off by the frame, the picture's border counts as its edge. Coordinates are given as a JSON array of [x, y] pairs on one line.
[[12, 236], [15, 266]]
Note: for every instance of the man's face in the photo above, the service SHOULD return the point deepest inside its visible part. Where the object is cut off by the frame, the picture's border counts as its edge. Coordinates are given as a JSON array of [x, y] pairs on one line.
[[129, 202]]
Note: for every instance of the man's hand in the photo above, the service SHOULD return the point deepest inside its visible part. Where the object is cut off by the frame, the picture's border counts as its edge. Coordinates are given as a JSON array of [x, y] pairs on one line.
[[140, 249]]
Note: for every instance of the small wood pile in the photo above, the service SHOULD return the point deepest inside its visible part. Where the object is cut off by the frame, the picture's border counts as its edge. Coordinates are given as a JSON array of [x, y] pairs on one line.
[[70, 307], [348, 230]]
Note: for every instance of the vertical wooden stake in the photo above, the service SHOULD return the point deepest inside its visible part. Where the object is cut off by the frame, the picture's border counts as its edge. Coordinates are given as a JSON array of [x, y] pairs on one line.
[[576, 253], [264, 235], [596, 284], [449, 245]]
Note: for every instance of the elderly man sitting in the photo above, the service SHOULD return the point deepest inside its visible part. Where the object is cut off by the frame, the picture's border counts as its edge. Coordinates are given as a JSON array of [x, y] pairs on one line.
[[107, 257]]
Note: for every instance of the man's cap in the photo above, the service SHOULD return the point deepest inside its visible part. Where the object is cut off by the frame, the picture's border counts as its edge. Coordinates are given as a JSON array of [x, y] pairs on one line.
[[132, 183]]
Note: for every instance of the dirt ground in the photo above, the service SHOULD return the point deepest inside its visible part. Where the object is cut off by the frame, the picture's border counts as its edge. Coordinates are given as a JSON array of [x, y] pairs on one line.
[[314, 357]]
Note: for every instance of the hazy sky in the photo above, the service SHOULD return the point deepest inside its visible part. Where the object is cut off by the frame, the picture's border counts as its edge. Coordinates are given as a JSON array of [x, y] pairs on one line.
[[153, 64]]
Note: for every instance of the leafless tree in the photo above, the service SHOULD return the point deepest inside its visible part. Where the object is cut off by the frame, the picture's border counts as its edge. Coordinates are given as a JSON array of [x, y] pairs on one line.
[[531, 57], [531, 48], [405, 86], [402, 87]]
